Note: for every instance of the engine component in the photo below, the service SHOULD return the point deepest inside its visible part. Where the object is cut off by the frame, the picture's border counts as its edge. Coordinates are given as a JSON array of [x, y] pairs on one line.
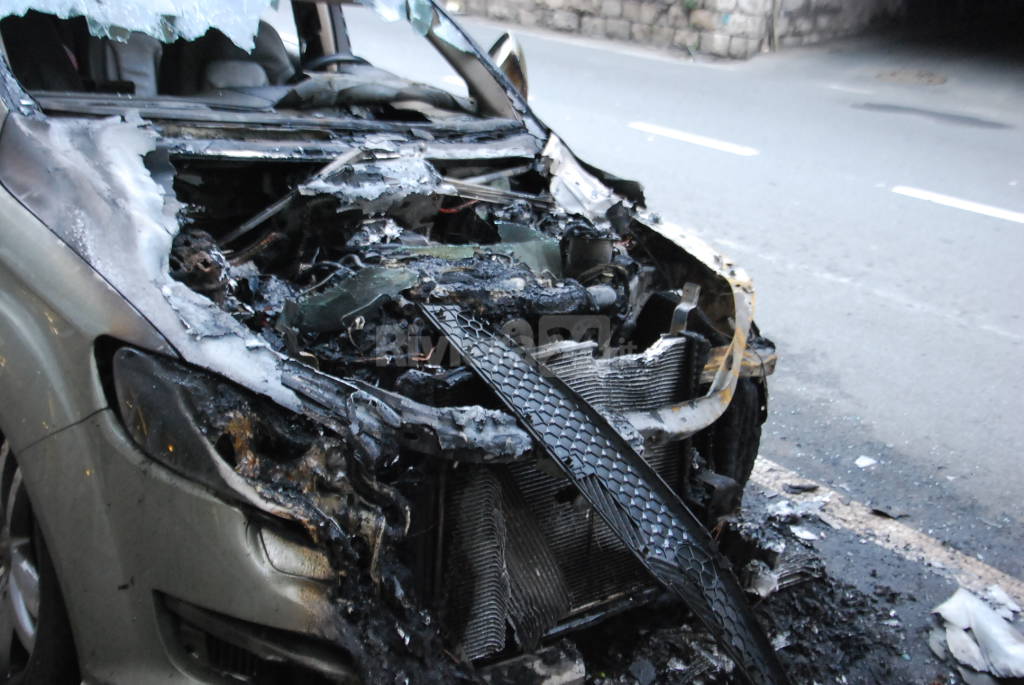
[[584, 248]]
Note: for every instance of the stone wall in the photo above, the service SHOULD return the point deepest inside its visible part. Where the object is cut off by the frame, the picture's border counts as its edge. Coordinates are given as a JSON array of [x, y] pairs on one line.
[[725, 28], [799, 22]]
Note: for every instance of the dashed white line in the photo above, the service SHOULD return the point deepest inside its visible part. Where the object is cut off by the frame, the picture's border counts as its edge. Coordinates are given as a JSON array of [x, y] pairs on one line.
[[840, 511], [959, 203], [849, 89], [893, 297], [694, 139]]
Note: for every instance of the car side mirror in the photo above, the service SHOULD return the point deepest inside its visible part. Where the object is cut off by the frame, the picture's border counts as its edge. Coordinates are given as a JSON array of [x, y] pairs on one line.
[[509, 58]]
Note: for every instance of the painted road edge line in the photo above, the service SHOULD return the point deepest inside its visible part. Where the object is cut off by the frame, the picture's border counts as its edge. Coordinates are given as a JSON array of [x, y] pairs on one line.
[[694, 139], [840, 511], [959, 203]]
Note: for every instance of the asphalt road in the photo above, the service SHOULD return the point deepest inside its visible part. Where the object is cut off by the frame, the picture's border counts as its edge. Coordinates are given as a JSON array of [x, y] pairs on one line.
[[897, 317]]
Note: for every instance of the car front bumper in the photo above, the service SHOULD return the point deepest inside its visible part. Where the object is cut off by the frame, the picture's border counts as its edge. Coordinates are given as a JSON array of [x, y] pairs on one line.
[[136, 546]]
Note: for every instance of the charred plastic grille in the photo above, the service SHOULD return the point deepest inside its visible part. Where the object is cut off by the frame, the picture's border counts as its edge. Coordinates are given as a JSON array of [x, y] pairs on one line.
[[523, 528]]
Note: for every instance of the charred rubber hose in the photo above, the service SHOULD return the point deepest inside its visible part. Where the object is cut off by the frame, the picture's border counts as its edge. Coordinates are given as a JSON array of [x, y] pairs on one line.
[[626, 492]]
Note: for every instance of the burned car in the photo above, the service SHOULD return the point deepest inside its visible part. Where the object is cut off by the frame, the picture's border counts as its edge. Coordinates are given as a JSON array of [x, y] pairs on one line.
[[316, 373]]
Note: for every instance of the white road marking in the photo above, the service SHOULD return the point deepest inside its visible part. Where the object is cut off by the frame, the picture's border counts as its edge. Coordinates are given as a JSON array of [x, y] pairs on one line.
[[849, 89], [840, 511], [958, 203], [694, 139], [894, 297]]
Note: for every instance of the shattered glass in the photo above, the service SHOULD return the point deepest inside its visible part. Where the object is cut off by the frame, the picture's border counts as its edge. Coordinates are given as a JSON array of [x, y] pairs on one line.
[[165, 20], [424, 19], [421, 15], [389, 10], [169, 20]]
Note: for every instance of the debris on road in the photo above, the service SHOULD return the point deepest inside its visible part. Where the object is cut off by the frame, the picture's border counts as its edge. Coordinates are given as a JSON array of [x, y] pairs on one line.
[[886, 512], [803, 533], [823, 630], [839, 511], [864, 461]]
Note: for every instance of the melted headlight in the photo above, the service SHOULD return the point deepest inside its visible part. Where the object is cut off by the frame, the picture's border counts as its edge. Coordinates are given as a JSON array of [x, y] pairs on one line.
[[208, 429]]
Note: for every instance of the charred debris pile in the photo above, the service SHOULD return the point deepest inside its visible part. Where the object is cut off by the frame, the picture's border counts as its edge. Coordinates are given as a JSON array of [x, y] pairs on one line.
[[825, 631], [429, 471]]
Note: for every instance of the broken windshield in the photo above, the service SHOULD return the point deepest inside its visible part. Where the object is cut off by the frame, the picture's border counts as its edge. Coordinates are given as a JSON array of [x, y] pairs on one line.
[[305, 58]]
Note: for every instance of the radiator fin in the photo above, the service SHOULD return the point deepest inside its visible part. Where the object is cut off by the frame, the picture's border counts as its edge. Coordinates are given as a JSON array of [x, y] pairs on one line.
[[539, 596], [476, 582], [633, 382]]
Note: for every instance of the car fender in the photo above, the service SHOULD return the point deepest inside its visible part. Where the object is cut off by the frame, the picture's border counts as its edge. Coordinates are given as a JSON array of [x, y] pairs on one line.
[[53, 307]]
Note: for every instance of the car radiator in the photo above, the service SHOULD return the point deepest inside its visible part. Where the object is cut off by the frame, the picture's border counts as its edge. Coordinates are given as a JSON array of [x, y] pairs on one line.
[[665, 373], [582, 563], [650, 519]]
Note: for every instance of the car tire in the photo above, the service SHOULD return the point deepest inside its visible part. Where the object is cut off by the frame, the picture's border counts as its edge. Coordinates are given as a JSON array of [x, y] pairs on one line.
[[51, 659]]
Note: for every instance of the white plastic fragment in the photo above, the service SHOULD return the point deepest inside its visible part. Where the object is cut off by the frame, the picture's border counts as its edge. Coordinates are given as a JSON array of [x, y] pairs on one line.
[[676, 664], [572, 186], [803, 533], [964, 649], [974, 678], [781, 641], [864, 461], [999, 644], [761, 580], [937, 643], [788, 511]]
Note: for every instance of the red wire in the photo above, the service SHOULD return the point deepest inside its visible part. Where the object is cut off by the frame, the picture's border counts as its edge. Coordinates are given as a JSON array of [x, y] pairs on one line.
[[457, 209]]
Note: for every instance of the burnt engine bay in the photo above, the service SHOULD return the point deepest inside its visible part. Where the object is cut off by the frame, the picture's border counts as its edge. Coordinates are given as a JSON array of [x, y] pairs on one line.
[[488, 312]]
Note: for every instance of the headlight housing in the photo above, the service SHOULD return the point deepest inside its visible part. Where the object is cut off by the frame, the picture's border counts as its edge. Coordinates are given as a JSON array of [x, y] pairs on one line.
[[206, 428]]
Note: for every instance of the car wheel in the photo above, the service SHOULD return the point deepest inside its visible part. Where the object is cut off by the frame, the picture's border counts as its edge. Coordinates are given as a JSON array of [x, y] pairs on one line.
[[36, 645]]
